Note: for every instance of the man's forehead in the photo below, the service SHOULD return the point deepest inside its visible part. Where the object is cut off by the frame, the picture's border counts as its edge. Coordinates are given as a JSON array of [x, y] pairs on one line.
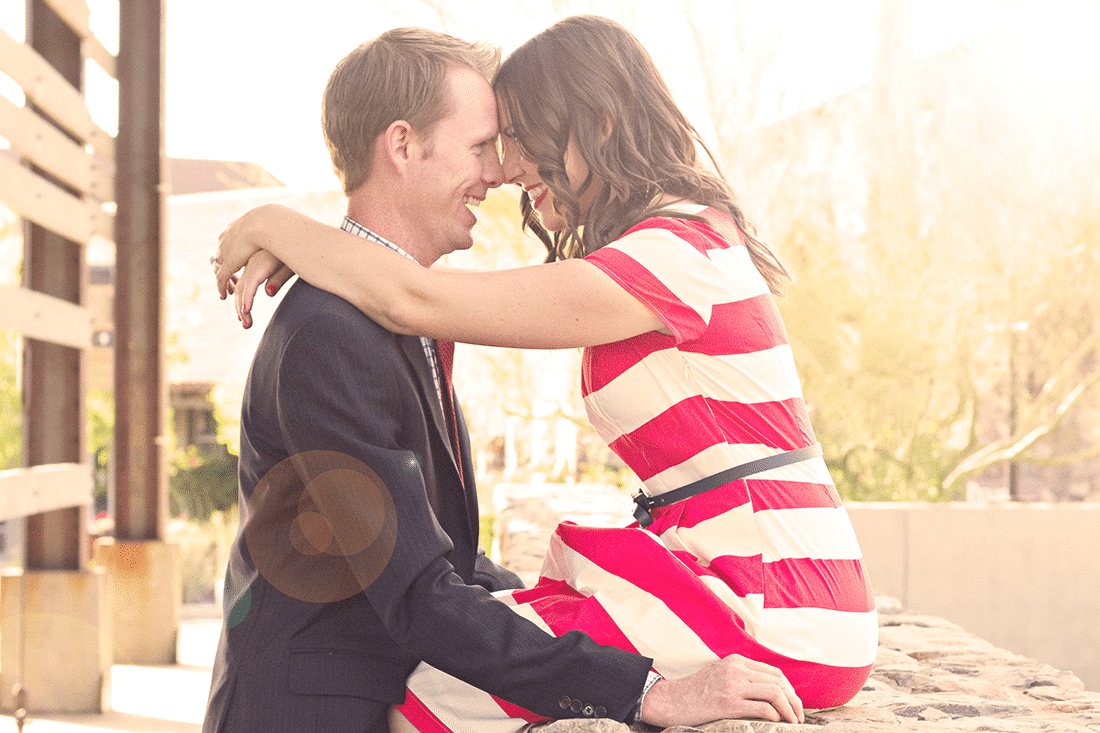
[[472, 100]]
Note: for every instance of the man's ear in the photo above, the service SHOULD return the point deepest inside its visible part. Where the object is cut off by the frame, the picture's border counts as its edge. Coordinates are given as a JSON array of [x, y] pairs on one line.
[[397, 143]]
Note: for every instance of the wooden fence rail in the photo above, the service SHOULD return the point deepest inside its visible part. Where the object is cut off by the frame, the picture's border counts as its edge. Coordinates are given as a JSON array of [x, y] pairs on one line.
[[59, 179]]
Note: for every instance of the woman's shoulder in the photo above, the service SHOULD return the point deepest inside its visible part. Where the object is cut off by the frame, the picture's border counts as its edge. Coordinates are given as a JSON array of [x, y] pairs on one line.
[[704, 227]]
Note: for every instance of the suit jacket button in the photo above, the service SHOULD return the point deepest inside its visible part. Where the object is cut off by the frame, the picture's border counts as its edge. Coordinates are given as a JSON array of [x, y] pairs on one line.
[[600, 712], [576, 707], [564, 703], [588, 711]]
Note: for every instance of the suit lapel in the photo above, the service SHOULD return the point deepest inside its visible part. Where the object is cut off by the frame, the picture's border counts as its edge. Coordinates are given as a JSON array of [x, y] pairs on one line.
[[414, 352]]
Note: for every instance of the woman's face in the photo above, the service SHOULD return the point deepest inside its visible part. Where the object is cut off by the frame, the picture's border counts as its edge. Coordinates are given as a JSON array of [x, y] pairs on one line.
[[525, 174]]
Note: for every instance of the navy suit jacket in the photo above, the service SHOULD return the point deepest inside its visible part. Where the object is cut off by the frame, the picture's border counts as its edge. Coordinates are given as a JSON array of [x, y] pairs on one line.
[[357, 553]]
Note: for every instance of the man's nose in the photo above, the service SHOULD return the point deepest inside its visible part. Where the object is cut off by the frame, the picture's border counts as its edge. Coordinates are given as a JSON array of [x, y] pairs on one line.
[[510, 166], [492, 173]]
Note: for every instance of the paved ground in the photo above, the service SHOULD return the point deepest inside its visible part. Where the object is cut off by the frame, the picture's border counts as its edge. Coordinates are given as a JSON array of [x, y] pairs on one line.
[[160, 699]]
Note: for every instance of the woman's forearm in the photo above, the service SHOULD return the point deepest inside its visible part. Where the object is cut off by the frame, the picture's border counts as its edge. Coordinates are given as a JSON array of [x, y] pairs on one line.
[[371, 277], [562, 305]]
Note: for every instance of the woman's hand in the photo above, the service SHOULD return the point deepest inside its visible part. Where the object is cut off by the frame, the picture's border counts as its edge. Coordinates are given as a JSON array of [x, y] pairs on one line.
[[242, 245], [243, 238], [731, 688], [262, 267]]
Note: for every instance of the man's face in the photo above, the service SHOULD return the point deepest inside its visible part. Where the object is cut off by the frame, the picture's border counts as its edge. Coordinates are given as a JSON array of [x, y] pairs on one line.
[[456, 166]]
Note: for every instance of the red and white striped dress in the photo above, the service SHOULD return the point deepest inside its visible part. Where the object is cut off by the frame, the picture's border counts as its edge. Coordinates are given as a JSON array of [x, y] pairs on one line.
[[768, 566]]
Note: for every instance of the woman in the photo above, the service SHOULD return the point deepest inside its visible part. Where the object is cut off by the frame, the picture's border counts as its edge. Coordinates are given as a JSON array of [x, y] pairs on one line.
[[688, 372]]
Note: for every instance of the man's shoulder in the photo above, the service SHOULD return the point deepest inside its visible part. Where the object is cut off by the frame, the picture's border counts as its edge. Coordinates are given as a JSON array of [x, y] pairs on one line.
[[312, 328], [303, 296], [306, 303]]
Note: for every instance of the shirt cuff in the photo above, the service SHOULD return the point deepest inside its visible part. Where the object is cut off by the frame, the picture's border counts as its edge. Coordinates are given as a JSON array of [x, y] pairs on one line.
[[650, 680]]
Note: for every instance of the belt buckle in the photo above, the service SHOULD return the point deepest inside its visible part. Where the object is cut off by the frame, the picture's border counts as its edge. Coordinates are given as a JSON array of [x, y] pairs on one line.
[[641, 511]]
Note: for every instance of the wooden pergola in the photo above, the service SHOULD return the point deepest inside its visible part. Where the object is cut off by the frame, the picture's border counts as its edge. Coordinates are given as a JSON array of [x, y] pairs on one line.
[[70, 181]]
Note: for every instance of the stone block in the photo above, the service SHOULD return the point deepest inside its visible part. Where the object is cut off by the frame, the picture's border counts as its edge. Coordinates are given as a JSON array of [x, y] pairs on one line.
[[55, 638], [145, 598]]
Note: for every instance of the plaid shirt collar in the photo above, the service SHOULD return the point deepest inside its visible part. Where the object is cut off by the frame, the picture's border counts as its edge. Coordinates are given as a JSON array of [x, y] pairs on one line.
[[353, 227]]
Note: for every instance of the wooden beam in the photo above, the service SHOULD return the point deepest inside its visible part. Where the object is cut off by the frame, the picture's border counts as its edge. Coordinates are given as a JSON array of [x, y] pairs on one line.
[[76, 15], [103, 144], [103, 224], [27, 491], [55, 152], [45, 318], [97, 52], [49, 90], [40, 201], [44, 145]]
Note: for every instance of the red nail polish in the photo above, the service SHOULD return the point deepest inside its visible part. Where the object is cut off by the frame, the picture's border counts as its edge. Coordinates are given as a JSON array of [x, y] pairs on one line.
[[270, 289]]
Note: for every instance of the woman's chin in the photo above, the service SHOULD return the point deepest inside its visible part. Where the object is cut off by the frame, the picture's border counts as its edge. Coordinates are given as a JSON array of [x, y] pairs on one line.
[[552, 223]]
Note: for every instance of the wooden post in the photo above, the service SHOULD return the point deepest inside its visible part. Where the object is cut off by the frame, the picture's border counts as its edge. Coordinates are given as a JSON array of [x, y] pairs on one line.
[[53, 392], [144, 569], [141, 395]]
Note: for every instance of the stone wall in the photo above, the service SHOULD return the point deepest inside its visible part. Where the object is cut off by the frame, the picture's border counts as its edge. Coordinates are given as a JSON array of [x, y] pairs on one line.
[[1024, 576], [931, 676]]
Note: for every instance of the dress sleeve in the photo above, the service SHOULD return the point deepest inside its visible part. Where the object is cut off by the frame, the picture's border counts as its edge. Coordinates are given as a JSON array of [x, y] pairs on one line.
[[681, 270]]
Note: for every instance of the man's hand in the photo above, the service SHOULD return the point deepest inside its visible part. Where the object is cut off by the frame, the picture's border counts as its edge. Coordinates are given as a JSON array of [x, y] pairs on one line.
[[731, 688]]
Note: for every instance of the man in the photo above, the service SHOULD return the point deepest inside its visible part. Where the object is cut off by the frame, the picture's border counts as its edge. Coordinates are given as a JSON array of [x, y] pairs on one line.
[[357, 555]]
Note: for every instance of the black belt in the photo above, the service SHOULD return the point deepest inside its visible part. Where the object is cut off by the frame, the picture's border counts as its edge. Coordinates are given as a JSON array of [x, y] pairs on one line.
[[646, 503]]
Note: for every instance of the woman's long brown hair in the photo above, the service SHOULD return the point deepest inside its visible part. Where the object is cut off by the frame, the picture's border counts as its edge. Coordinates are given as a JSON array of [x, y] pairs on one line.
[[588, 79]]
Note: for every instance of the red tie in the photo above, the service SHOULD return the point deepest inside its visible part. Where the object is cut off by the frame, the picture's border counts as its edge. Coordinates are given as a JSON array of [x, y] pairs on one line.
[[446, 351]]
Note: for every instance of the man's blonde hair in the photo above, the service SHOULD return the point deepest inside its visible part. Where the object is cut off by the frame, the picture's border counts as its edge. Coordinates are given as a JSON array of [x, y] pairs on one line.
[[400, 75]]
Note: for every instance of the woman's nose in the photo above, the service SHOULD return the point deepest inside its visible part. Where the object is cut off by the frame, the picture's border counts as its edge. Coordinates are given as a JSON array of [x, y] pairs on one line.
[[512, 162]]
